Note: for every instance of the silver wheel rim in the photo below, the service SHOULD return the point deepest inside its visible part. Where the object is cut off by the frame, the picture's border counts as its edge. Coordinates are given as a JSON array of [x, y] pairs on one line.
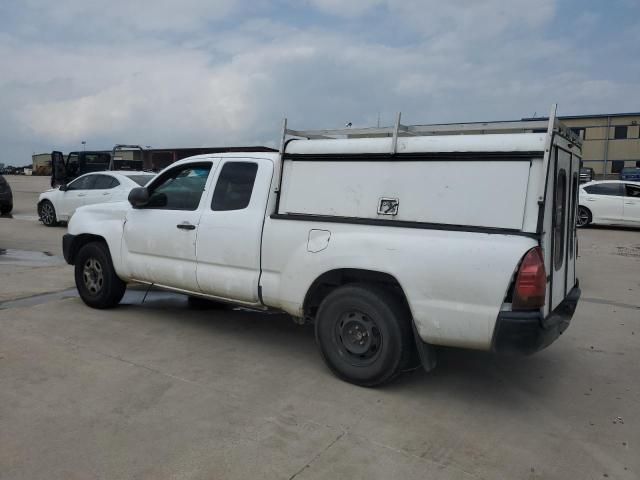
[[47, 214], [92, 276], [583, 217]]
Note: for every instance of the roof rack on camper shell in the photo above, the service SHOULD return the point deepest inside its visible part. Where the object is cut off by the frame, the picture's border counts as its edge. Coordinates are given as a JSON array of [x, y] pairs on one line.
[[552, 125]]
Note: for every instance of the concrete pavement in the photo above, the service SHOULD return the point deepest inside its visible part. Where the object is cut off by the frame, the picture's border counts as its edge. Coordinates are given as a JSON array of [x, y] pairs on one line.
[[155, 390]]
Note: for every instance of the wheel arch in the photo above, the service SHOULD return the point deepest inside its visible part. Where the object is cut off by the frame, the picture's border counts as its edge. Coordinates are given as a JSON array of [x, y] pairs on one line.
[[332, 279], [79, 241]]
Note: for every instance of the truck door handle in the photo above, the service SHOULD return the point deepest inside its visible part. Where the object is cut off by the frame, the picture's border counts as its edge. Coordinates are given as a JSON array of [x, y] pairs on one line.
[[82, 194], [186, 226], [629, 203], [107, 193]]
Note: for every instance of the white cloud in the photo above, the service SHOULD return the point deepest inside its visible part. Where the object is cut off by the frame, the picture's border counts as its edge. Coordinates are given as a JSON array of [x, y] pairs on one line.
[[182, 82], [350, 8], [139, 15]]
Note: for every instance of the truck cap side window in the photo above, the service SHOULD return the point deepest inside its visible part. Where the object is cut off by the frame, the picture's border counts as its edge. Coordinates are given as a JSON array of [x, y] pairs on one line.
[[234, 187], [180, 188], [561, 211]]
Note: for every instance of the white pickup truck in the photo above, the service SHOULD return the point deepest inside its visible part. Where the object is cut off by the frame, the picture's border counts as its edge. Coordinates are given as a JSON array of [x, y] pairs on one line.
[[391, 240]]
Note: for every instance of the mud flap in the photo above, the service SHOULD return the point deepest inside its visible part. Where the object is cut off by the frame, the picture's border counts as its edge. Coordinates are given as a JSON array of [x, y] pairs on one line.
[[426, 352]]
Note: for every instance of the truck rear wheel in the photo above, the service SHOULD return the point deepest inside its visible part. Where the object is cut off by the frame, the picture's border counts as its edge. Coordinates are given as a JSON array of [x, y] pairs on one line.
[[96, 279], [364, 334]]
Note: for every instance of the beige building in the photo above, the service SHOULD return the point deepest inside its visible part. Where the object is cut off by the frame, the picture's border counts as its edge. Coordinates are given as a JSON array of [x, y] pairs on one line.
[[41, 163], [610, 141]]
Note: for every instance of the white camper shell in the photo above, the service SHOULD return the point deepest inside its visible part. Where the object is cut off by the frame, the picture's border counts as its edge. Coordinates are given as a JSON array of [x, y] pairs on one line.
[[392, 240]]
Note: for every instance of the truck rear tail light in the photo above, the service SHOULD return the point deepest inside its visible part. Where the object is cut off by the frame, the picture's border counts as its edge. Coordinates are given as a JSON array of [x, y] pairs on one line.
[[531, 283]]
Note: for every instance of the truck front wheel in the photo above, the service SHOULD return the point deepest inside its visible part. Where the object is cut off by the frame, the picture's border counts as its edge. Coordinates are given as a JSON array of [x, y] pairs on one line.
[[364, 334], [96, 279]]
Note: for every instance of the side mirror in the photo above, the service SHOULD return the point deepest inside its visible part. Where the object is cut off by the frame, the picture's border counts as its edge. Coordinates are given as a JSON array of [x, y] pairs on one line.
[[63, 187], [139, 197]]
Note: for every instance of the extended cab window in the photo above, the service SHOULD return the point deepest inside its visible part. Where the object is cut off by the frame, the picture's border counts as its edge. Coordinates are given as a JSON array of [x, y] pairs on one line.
[[234, 187], [614, 189], [179, 188]]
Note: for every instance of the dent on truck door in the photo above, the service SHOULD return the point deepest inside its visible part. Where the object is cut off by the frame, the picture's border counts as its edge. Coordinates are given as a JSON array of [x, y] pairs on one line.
[[230, 230]]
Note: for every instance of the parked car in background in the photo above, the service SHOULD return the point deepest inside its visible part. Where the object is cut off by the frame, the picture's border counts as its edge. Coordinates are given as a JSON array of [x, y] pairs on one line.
[[6, 196], [586, 175], [59, 204], [609, 202], [630, 173]]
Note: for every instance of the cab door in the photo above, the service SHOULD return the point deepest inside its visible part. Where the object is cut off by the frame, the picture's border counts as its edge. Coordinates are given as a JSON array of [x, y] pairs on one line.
[[230, 230], [159, 239]]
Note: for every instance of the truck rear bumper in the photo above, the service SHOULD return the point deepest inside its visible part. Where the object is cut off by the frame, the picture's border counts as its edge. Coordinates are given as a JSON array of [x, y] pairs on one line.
[[528, 332]]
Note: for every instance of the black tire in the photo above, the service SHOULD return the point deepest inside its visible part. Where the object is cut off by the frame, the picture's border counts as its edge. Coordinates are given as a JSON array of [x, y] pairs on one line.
[[584, 217], [47, 213], [96, 279], [200, 303], [364, 334], [6, 209]]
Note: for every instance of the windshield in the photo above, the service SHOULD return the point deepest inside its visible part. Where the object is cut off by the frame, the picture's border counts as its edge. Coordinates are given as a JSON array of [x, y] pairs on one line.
[[141, 180]]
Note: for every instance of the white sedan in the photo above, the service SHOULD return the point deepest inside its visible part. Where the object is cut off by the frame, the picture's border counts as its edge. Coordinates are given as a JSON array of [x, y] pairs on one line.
[[59, 204], [609, 202]]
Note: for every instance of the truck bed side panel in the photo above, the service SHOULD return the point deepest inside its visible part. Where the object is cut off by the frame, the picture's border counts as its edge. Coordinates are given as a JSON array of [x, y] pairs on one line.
[[455, 282]]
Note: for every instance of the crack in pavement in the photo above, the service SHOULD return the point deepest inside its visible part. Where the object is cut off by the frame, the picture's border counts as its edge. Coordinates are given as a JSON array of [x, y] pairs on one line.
[[609, 302], [318, 455], [38, 298]]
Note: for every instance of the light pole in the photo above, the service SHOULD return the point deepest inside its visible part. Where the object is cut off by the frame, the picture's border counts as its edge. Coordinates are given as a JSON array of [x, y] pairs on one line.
[[84, 143]]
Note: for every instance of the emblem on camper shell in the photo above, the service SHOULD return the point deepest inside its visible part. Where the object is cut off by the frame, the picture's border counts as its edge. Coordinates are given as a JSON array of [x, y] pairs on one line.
[[388, 206]]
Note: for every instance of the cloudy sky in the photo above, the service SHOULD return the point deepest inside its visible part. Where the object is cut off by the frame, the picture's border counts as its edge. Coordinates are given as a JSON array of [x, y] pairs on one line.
[[225, 72]]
